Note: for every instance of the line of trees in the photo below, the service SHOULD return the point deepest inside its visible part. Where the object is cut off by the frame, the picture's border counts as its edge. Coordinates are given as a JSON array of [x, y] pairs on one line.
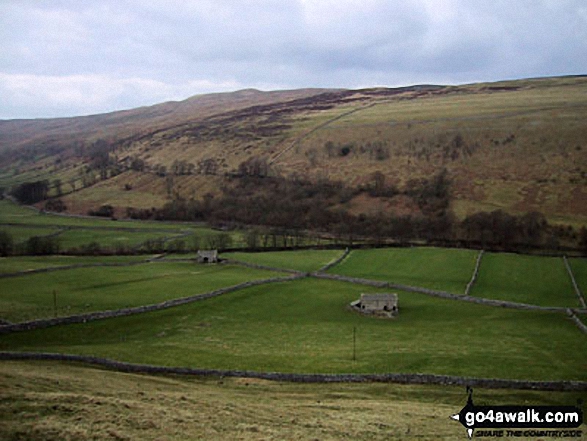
[[34, 246], [292, 207]]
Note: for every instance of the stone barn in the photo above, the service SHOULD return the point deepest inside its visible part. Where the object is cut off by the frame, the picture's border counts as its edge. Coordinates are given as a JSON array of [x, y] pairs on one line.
[[381, 305], [207, 256]]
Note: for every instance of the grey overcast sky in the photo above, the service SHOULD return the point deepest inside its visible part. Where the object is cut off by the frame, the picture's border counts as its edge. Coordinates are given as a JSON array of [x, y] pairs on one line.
[[72, 57]]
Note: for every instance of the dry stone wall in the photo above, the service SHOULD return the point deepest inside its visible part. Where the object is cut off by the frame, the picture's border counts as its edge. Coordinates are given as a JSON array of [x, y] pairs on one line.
[[445, 295], [475, 273], [445, 380], [335, 262], [100, 315], [577, 321], [574, 282]]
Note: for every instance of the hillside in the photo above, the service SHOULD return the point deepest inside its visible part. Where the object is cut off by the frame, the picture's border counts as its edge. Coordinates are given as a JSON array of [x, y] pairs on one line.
[[518, 146]]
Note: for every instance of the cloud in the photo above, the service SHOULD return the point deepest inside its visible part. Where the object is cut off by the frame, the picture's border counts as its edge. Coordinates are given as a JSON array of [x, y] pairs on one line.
[[124, 53]]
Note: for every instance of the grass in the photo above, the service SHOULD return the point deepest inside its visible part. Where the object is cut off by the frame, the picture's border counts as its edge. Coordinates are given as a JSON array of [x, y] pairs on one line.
[[56, 401], [106, 232], [305, 326], [306, 260], [27, 263], [102, 288], [22, 234], [437, 268], [527, 279], [579, 268], [16, 214], [108, 238]]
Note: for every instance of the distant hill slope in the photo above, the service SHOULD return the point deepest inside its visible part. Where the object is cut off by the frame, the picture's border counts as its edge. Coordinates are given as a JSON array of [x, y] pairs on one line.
[[121, 124], [519, 146]]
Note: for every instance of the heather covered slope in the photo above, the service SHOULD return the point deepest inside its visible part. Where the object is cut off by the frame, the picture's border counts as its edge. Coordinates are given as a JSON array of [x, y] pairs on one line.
[[517, 146]]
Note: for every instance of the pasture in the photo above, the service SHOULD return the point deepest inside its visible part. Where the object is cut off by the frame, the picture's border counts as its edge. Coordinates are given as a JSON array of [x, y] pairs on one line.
[[75, 233], [305, 260], [305, 326], [29, 263], [435, 268], [301, 326], [112, 287], [525, 279]]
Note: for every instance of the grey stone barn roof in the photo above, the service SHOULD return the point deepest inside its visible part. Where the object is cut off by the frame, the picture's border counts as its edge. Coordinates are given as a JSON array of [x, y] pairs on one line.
[[379, 296]]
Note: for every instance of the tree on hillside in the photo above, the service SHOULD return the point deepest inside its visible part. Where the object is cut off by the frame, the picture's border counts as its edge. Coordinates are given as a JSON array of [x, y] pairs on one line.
[[31, 192]]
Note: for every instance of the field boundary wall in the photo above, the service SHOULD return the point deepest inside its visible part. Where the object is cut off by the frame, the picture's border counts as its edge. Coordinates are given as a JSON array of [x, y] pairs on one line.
[[100, 315], [444, 380], [335, 262], [446, 295], [574, 282], [475, 273]]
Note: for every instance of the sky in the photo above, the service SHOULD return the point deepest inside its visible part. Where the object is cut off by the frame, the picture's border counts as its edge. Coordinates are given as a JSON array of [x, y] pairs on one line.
[[70, 57]]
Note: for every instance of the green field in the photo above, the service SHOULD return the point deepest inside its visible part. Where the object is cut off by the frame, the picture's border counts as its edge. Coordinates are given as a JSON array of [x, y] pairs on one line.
[[305, 326], [307, 260], [22, 234], [579, 268], [526, 279], [28, 263], [108, 238], [437, 268], [23, 223], [16, 214], [101, 288]]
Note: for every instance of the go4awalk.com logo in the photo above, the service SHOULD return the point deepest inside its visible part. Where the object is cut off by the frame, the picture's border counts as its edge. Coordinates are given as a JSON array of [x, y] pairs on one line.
[[520, 421]]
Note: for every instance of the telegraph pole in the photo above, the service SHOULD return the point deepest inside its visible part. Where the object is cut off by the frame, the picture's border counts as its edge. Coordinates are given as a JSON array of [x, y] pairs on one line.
[[354, 343]]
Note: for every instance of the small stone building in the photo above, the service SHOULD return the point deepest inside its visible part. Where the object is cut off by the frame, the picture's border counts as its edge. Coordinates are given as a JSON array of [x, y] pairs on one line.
[[381, 305], [207, 256]]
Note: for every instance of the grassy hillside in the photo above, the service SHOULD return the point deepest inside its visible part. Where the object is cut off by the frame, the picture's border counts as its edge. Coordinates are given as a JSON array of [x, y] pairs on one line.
[[517, 146], [54, 401]]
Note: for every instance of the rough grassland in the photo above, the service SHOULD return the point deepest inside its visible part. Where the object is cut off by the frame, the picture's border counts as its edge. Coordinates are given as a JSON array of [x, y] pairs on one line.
[[54, 401], [102, 288], [437, 268], [527, 279], [305, 326], [307, 260]]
